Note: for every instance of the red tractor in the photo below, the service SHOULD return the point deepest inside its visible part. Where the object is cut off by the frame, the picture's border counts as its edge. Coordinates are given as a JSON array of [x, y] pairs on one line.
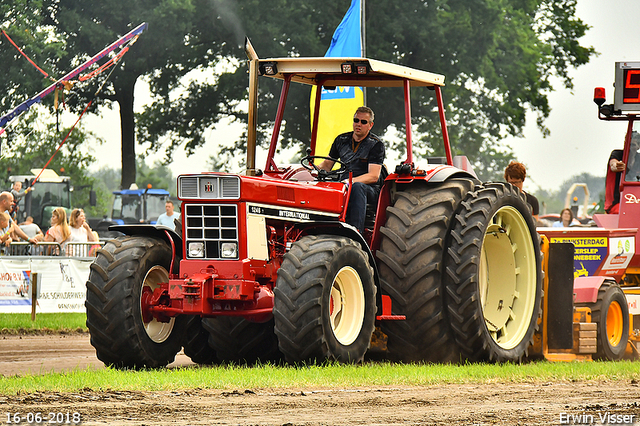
[[606, 261], [264, 266]]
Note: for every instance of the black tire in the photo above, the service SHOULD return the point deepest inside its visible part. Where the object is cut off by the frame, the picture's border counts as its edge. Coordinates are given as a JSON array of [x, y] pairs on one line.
[[196, 344], [318, 274], [114, 315], [493, 275], [410, 266], [611, 313], [238, 341]]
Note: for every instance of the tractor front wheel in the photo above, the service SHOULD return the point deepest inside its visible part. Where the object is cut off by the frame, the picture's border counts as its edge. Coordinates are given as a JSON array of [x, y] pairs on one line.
[[611, 313], [325, 301], [122, 278]]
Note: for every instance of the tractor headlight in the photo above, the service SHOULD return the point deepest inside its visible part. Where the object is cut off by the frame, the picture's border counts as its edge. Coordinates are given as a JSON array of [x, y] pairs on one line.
[[229, 250], [196, 249]]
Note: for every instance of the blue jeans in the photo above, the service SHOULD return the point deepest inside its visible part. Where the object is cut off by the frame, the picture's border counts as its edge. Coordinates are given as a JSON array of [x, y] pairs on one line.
[[361, 194]]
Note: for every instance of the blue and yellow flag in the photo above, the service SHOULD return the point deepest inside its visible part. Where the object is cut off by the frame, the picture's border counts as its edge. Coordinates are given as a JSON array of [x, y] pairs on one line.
[[338, 106]]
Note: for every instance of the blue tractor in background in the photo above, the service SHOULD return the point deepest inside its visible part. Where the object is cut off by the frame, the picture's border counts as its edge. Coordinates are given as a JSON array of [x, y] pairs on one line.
[[133, 206]]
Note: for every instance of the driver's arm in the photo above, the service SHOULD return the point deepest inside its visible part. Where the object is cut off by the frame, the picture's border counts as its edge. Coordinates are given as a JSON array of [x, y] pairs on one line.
[[326, 165], [371, 176]]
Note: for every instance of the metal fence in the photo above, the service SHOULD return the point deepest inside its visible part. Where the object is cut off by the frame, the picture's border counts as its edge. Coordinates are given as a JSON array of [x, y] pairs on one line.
[[21, 248]]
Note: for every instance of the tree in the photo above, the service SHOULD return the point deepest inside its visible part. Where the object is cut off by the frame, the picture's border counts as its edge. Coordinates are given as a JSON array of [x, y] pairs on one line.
[[554, 201], [498, 56]]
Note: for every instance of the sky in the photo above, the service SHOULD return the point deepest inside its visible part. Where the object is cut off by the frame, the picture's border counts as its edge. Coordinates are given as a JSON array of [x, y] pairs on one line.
[[578, 142]]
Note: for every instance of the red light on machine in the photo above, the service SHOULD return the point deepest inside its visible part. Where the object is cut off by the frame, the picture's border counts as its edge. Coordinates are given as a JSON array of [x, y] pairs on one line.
[[599, 96]]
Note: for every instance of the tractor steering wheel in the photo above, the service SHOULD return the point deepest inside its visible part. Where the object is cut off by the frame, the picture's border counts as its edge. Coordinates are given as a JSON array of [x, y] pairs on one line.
[[333, 175]]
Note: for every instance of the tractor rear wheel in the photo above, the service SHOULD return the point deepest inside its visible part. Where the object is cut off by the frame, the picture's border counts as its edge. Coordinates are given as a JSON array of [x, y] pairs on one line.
[[236, 340], [325, 301], [196, 344], [611, 313], [123, 275], [410, 265], [493, 275]]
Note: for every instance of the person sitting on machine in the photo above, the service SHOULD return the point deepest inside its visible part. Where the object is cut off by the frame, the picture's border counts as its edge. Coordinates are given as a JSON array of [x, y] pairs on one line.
[[614, 173], [363, 153]]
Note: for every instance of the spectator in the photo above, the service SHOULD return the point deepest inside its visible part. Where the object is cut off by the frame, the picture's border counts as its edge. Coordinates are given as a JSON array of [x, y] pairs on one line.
[[515, 173], [167, 219], [15, 190], [80, 230], [6, 202], [59, 231], [566, 219], [31, 229], [5, 229]]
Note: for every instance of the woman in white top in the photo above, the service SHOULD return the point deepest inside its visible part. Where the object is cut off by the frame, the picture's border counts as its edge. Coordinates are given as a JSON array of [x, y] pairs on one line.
[[80, 230], [80, 233]]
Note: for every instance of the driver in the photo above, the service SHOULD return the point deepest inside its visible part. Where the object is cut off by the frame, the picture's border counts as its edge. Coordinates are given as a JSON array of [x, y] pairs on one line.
[[363, 154]]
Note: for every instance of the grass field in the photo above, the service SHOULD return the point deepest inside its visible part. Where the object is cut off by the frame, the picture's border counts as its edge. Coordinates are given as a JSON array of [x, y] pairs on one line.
[[270, 376], [17, 323], [323, 376]]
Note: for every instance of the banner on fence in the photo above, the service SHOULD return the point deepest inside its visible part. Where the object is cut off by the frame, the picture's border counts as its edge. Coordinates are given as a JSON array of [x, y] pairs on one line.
[[61, 284]]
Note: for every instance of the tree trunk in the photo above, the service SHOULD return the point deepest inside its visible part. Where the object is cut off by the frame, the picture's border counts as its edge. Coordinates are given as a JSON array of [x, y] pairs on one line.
[[124, 95]]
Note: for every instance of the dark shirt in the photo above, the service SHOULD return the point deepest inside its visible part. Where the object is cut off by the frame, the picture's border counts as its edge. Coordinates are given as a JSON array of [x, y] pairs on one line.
[[533, 202], [616, 154], [370, 150]]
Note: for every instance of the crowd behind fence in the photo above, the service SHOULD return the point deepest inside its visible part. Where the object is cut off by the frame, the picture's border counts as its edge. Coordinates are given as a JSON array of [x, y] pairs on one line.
[[21, 248]]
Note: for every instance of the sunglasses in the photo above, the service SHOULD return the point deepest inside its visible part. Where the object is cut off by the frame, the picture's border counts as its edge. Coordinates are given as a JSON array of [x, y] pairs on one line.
[[357, 120]]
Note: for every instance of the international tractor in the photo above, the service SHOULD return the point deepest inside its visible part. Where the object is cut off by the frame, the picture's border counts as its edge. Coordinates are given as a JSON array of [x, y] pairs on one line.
[[264, 266]]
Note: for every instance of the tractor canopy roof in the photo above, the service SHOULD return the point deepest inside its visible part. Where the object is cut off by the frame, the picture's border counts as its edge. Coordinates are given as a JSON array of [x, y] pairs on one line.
[[347, 72]]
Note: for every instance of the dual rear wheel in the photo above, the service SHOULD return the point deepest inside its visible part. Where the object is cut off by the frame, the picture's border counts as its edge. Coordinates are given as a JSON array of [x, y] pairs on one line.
[[462, 261]]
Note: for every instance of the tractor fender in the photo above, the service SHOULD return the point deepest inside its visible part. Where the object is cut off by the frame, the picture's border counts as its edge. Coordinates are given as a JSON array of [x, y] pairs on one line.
[[157, 231], [440, 174], [345, 230], [585, 289]]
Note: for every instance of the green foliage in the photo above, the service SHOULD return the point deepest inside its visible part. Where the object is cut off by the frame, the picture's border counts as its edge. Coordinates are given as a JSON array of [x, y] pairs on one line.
[[499, 57], [159, 176]]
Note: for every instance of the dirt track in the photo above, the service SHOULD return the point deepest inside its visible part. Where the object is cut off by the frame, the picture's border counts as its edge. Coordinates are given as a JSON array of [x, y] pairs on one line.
[[501, 404]]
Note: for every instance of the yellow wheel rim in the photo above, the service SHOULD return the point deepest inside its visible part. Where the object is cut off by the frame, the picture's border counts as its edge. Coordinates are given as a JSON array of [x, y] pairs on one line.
[[156, 330], [507, 277], [615, 324], [346, 305]]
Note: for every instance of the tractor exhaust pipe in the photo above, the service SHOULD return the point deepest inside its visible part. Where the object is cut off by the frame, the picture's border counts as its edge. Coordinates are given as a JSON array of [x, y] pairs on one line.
[[252, 118]]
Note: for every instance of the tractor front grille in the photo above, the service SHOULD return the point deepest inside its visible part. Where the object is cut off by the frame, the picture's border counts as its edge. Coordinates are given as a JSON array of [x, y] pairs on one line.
[[209, 187], [212, 225]]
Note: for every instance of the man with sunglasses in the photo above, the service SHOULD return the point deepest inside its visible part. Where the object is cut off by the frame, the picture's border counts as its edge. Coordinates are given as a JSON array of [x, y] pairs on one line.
[[363, 153]]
